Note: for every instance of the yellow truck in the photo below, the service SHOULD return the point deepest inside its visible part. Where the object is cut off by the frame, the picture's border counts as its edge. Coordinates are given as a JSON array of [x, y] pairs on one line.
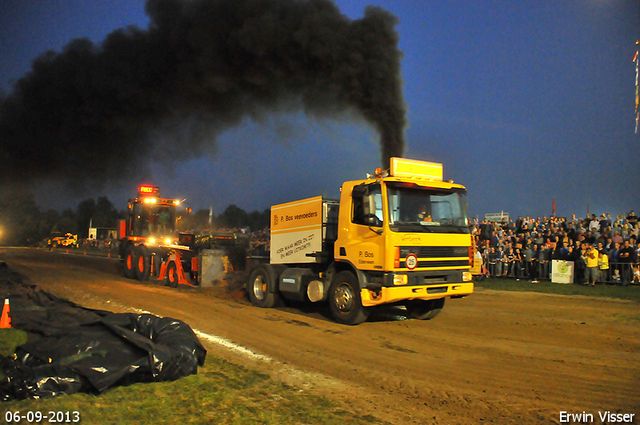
[[398, 237]]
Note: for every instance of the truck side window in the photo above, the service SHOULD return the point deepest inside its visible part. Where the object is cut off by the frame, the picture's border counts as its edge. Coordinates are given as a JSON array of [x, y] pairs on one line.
[[367, 205]]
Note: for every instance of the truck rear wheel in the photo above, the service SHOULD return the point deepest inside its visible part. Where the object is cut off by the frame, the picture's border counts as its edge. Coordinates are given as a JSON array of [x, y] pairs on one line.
[[171, 278], [345, 301], [425, 310], [261, 287], [129, 260], [142, 263]]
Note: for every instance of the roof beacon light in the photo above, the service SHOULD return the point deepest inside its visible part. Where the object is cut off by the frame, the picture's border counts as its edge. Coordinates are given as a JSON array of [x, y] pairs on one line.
[[401, 167]]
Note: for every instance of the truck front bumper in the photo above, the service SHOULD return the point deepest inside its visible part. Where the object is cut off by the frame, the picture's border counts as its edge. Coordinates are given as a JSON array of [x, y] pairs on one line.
[[388, 295]]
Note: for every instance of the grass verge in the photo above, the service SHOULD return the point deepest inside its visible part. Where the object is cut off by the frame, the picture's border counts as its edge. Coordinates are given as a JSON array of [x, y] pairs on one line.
[[221, 393], [10, 339], [631, 292]]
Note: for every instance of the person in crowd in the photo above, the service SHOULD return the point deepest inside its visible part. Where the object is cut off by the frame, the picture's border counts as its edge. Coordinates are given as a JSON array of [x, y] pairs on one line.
[[608, 246], [616, 279], [636, 265], [535, 264], [580, 262], [590, 256], [493, 255], [626, 258], [603, 265], [594, 224], [609, 220], [518, 264], [519, 223], [614, 260], [495, 239], [545, 261], [617, 238], [500, 261], [632, 219], [527, 257], [508, 252]]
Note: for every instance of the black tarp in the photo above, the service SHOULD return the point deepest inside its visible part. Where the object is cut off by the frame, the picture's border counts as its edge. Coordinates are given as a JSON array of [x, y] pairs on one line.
[[75, 349]]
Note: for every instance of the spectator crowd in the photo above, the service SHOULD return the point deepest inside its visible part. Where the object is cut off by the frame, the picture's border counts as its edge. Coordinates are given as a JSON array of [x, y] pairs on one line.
[[602, 249]]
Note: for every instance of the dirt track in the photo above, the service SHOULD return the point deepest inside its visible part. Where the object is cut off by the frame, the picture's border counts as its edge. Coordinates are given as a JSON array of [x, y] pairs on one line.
[[494, 357]]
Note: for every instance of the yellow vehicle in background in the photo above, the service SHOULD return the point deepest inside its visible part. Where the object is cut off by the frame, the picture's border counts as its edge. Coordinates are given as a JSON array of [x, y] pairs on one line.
[[66, 240], [398, 237]]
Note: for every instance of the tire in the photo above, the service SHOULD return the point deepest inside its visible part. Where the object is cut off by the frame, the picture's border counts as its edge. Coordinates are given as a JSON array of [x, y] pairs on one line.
[[142, 263], [157, 264], [129, 261], [425, 310], [262, 287], [345, 301], [171, 279]]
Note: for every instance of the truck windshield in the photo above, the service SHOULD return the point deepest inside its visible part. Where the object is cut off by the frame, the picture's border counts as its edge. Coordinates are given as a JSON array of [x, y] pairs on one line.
[[418, 209], [154, 220]]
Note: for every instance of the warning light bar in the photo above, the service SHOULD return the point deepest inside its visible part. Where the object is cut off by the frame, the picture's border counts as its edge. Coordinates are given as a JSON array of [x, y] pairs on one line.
[[145, 190], [401, 167]]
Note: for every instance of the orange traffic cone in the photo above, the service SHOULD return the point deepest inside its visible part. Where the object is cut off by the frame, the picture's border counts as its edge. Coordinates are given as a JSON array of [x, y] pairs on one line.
[[5, 321]]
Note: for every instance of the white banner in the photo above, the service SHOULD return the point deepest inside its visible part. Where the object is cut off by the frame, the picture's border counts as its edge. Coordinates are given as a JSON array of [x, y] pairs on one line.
[[499, 217], [561, 271]]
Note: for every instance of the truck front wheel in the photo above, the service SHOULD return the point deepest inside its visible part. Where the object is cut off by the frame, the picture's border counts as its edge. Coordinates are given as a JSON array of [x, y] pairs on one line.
[[261, 288], [129, 262], [171, 279], [344, 300], [425, 310], [142, 263]]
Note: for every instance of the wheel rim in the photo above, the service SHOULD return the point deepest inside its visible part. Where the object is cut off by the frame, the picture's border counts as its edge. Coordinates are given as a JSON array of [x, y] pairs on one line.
[[343, 297], [129, 262], [259, 287], [141, 264]]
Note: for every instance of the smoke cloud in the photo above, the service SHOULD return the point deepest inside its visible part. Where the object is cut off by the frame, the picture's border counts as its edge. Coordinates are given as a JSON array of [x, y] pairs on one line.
[[102, 112]]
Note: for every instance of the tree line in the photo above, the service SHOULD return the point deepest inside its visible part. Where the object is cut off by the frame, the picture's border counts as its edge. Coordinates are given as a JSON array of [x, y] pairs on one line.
[[23, 223]]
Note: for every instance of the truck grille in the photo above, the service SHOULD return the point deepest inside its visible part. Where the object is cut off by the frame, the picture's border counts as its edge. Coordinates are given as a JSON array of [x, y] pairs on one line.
[[434, 256]]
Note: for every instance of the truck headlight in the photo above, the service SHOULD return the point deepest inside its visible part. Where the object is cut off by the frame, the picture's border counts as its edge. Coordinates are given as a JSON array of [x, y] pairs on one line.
[[400, 279]]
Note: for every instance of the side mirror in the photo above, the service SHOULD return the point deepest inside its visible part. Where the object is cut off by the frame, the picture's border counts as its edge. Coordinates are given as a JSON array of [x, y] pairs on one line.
[[372, 220]]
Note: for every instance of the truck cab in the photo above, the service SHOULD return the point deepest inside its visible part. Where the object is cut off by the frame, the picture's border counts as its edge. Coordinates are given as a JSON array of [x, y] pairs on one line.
[[398, 237], [406, 234]]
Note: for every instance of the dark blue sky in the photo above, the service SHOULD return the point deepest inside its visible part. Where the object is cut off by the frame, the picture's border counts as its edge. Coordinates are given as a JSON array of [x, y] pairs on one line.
[[522, 102]]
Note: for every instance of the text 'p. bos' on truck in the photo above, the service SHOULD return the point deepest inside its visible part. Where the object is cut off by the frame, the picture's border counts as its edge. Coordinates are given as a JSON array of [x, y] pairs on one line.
[[400, 237]]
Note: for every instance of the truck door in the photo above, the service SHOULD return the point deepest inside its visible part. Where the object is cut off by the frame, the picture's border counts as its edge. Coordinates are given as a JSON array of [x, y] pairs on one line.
[[365, 243]]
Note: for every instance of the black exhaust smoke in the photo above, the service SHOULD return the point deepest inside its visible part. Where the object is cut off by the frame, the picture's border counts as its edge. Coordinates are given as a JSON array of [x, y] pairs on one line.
[[100, 113]]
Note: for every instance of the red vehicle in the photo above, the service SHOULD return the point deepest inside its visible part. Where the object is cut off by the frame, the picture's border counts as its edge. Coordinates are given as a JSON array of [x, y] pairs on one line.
[[150, 244], [151, 247]]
